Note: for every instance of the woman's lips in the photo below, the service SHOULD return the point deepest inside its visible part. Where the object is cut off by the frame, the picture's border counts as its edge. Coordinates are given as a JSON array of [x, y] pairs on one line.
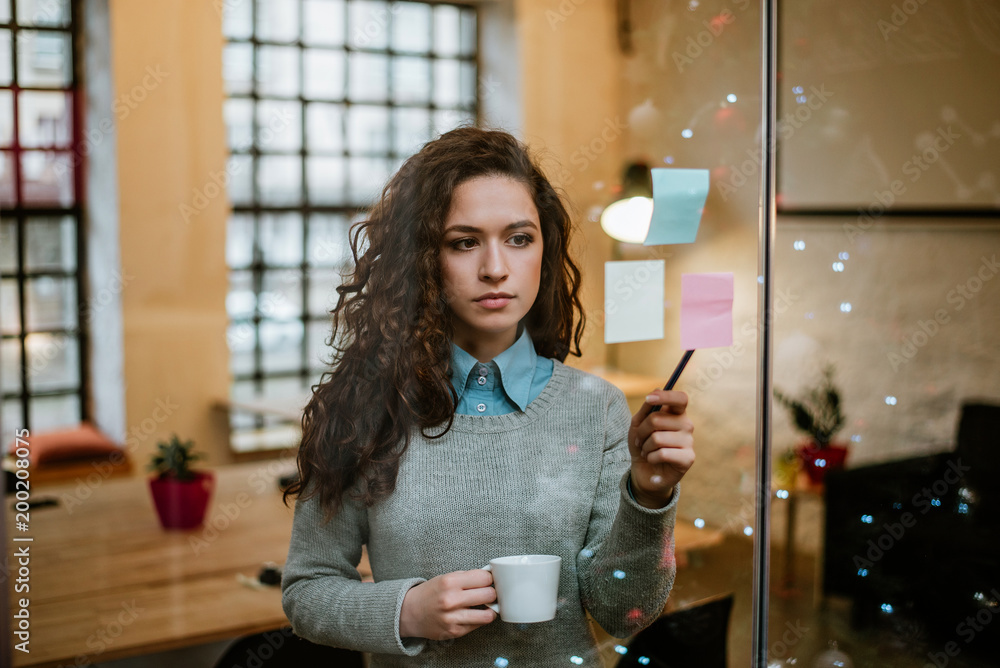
[[494, 303]]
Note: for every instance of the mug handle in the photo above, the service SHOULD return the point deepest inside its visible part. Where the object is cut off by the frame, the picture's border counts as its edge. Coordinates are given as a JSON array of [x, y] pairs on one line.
[[492, 606]]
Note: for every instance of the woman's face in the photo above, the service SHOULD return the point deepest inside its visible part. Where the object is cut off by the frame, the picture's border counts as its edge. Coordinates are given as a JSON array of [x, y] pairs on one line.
[[492, 243]]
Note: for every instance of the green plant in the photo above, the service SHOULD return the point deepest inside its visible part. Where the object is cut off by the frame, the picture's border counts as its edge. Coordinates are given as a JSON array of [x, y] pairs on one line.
[[818, 413], [172, 459]]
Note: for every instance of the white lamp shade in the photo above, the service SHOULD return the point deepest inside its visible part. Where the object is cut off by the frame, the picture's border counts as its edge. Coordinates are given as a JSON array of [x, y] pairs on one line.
[[628, 219]]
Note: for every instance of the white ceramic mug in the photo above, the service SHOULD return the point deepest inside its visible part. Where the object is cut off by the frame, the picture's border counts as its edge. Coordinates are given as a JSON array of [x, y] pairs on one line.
[[527, 585]]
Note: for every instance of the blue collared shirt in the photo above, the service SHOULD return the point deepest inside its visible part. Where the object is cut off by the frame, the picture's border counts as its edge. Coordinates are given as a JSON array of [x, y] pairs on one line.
[[509, 382], [505, 384]]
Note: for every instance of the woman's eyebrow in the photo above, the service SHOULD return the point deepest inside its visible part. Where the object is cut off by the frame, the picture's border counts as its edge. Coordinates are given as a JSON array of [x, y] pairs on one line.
[[469, 228]]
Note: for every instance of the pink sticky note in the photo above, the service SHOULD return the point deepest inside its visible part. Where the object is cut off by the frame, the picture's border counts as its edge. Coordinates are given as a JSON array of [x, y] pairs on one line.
[[706, 310]]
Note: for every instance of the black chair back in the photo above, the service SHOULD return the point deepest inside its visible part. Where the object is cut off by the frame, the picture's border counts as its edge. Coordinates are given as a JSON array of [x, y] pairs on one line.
[[978, 448], [693, 637]]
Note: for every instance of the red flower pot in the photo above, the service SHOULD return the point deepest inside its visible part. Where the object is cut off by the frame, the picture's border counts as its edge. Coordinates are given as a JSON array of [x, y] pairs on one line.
[[818, 460], [181, 504]]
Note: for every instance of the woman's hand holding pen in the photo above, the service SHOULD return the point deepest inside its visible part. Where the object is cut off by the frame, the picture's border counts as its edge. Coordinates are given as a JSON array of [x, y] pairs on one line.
[[662, 447], [443, 607]]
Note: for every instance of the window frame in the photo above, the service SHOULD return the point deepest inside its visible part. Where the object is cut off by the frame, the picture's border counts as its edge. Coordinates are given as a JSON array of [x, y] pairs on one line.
[[257, 271], [22, 212]]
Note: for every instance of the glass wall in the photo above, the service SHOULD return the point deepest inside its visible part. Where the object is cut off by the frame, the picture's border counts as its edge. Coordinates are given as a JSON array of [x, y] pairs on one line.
[[883, 523], [884, 262], [690, 98]]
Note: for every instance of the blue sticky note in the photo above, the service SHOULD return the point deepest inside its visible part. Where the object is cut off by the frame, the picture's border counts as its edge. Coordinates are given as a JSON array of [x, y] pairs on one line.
[[678, 200]]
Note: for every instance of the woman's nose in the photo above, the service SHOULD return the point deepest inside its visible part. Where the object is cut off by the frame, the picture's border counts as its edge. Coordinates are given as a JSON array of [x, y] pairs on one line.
[[494, 264]]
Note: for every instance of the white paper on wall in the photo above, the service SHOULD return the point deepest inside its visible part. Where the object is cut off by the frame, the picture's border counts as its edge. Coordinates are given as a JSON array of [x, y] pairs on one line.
[[633, 300]]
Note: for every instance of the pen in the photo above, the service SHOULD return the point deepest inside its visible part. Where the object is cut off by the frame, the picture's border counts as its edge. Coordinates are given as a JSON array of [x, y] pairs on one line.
[[675, 375]]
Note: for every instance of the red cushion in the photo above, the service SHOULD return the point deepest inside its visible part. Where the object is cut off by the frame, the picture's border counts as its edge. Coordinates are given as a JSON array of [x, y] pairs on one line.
[[74, 443]]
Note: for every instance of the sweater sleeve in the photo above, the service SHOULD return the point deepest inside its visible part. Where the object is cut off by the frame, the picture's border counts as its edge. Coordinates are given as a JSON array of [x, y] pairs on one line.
[[626, 568], [321, 590]]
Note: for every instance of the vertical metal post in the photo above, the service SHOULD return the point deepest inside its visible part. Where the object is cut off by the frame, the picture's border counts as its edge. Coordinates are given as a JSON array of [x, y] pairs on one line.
[[765, 247]]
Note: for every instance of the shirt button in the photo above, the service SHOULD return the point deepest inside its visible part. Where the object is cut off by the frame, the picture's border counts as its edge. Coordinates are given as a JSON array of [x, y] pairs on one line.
[[482, 380], [481, 407], [483, 371]]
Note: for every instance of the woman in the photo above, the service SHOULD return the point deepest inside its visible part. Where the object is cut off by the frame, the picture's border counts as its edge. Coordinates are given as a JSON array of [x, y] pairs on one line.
[[449, 432]]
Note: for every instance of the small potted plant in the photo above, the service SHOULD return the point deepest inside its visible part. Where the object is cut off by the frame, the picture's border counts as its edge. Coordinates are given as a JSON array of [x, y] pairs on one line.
[[819, 416], [180, 494]]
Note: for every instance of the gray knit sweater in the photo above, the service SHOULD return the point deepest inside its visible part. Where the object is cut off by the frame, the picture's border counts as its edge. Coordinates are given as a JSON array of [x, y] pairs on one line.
[[549, 480]]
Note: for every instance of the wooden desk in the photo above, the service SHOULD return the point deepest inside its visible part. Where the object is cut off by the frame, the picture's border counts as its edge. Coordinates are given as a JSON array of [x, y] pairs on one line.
[[803, 487], [107, 582], [633, 385], [690, 539]]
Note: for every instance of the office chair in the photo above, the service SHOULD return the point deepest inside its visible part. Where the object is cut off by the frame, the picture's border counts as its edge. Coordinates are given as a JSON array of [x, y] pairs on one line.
[[284, 649], [691, 637]]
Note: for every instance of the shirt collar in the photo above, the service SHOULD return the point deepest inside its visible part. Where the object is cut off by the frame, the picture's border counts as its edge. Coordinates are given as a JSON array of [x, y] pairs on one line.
[[516, 367]]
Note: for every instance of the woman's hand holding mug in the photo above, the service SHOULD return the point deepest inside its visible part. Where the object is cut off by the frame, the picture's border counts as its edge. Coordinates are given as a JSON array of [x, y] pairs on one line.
[[444, 606]]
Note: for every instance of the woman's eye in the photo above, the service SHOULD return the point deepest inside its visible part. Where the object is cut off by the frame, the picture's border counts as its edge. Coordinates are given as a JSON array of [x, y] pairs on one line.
[[520, 241]]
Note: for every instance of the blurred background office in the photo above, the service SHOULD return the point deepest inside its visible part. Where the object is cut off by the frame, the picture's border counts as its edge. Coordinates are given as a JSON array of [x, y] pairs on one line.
[[177, 181]]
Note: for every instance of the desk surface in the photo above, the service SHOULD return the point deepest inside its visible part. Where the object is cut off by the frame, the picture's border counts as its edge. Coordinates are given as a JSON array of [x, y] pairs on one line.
[[107, 582]]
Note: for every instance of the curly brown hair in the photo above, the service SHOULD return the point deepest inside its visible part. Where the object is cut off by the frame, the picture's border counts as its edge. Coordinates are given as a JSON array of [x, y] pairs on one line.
[[391, 365]]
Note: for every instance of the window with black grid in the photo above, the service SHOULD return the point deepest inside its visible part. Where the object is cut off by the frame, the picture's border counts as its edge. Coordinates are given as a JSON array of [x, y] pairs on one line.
[[325, 99], [43, 334]]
